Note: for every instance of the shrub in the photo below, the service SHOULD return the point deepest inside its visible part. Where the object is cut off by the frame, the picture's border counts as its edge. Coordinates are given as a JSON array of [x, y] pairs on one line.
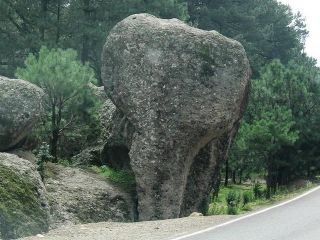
[[216, 209], [43, 156], [65, 162], [247, 197], [233, 200], [247, 207], [283, 190], [258, 190], [122, 178], [69, 103]]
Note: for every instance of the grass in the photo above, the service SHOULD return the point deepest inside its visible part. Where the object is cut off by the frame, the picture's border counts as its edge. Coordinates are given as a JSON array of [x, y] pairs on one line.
[[122, 178], [219, 205], [65, 162]]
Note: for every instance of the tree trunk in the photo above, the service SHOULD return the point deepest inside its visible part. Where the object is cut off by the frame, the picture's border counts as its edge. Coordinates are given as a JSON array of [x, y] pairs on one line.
[[240, 176], [54, 135], [85, 37], [216, 186], [271, 180], [44, 12], [55, 130], [54, 144], [308, 168], [234, 177], [85, 49], [58, 21], [226, 179]]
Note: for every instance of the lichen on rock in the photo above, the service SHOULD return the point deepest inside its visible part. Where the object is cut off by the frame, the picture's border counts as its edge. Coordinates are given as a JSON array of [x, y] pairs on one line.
[[182, 90], [23, 207]]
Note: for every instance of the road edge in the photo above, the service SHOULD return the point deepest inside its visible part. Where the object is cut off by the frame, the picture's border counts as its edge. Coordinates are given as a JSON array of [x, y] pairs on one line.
[[248, 216]]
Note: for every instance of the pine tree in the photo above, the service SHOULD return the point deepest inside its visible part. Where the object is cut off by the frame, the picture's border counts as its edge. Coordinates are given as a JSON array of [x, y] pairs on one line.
[[65, 81]]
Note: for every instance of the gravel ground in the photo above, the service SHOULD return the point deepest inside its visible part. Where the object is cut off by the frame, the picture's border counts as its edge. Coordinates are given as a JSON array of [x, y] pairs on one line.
[[153, 230]]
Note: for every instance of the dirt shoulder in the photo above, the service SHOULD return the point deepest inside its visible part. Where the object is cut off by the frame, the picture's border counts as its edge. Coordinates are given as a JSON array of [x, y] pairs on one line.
[[153, 230]]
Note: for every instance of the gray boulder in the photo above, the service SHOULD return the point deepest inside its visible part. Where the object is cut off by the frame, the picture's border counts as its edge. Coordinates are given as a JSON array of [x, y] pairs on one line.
[[20, 108], [182, 90], [78, 196], [24, 209], [89, 157]]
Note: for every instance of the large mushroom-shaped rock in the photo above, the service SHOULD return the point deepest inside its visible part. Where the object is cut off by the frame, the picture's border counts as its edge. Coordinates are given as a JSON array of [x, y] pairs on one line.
[[20, 108], [183, 90], [24, 209]]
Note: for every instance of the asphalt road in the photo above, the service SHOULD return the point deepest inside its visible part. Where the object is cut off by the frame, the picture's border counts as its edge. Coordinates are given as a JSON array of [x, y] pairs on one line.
[[297, 220]]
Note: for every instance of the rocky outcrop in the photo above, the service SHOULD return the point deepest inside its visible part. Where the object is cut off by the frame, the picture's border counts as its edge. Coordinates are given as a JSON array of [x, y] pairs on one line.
[[112, 146], [24, 209], [89, 157], [77, 196], [118, 138], [116, 134], [182, 90], [20, 108]]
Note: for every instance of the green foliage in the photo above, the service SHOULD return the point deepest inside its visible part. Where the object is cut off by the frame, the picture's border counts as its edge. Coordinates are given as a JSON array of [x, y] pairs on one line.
[[247, 197], [65, 80], [273, 127], [267, 29], [233, 200], [43, 156], [122, 178], [65, 162], [270, 30], [274, 137], [97, 18], [79, 24], [258, 190], [58, 73], [217, 209], [244, 198]]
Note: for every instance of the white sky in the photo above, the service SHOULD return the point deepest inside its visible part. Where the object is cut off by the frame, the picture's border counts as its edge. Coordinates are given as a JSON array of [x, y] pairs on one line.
[[310, 9]]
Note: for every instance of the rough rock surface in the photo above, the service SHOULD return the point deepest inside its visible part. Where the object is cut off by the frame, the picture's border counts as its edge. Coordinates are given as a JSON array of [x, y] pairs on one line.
[[116, 134], [24, 209], [20, 108], [112, 146], [118, 138], [77, 196], [182, 89], [89, 157]]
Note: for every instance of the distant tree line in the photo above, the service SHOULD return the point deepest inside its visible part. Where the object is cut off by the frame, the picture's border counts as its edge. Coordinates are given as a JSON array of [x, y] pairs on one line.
[[82, 25]]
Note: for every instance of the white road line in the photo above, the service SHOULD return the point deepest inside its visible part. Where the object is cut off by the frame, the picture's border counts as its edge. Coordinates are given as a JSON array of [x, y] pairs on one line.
[[247, 216]]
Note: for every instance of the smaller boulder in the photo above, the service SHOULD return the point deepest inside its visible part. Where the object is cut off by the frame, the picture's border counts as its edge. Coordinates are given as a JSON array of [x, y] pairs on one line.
[[88, 157], [24, 209], [20, 109], [77, 196], [196, 214]]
